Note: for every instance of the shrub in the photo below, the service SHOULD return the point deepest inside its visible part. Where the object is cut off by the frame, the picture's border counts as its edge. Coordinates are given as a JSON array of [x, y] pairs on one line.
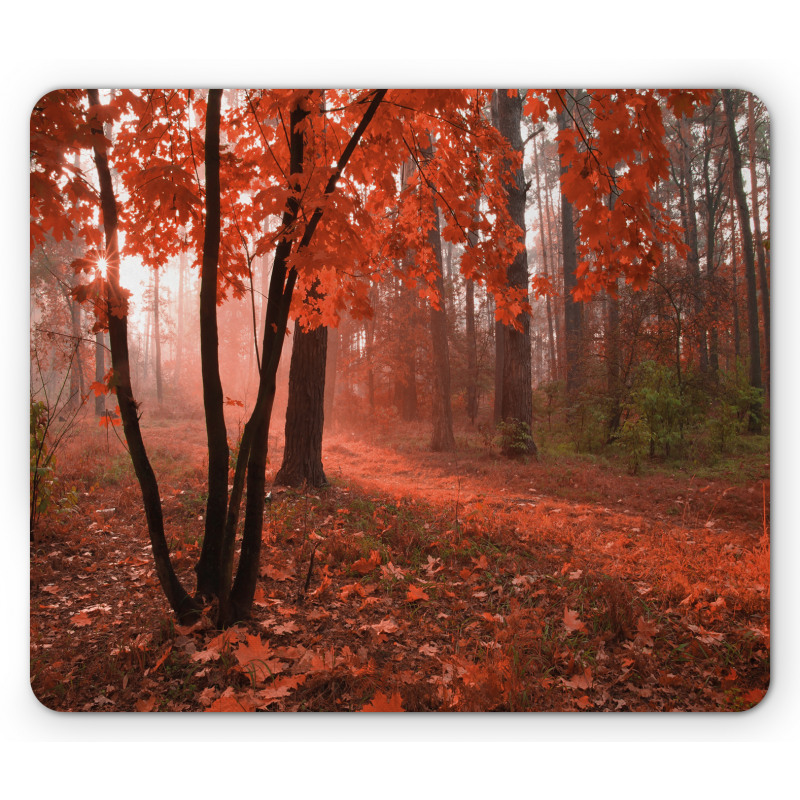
[[514, 438], [657, 399], [42, 463]]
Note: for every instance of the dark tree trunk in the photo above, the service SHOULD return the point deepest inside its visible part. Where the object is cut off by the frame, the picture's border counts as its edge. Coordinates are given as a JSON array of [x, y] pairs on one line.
[[442, 437], [208, 574], [517, 397], [254, 443], [573, 311], [302, 454], [759, 243], [99, 372], [747, 243], [737, 333], [472, 353], [183, 605]]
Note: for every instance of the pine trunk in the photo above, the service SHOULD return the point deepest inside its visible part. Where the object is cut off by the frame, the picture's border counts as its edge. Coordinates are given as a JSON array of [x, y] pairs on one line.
[[517, 392]]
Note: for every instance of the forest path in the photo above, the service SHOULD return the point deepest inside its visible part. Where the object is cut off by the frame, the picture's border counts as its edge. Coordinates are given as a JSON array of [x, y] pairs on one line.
[[472, 477]]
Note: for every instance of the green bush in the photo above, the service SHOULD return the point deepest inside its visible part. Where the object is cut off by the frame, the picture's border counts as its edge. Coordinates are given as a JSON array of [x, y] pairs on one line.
[[42, 463], [634, 438], [514, 438], [656, 398]]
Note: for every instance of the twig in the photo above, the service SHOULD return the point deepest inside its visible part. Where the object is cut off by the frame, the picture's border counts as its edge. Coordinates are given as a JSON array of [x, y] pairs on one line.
[[308, 574]]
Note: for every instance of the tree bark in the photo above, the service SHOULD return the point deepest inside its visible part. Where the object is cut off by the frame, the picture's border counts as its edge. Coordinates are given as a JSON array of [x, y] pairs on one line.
[[573, 311], [550, 333], [208, 574], [254, 443], [517, 398], [99, 372], [690, 210], [183, 605], [747, 243], [759, 242], [305, 412], [442, 437], [157, 338]]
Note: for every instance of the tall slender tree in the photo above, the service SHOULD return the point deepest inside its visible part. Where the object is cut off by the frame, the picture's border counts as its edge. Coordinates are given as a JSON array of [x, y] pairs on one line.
[[747, 247]]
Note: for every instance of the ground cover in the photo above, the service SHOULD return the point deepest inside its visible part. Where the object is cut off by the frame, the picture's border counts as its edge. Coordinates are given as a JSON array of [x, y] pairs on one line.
[[415, 581]]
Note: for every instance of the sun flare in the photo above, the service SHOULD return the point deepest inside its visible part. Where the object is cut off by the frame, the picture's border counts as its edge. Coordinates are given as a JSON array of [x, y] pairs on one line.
[[102, 265]]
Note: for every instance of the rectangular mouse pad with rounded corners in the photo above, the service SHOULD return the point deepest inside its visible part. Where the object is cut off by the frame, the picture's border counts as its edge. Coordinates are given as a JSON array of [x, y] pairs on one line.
[[400, 400]]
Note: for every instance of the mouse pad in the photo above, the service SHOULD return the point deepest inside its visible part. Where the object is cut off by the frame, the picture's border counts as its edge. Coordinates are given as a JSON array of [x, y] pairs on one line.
[[400, 400]]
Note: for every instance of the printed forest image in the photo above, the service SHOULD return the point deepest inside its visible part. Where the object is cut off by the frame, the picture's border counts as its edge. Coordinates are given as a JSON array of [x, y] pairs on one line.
[[399, 400]]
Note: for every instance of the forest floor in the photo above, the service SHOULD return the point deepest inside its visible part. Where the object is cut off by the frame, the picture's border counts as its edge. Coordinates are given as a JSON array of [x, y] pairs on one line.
[[458, 581]]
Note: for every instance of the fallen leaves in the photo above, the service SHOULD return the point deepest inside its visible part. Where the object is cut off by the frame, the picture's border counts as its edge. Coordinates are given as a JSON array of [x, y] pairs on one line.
[[572, 623], [382, 702], [80, 619], [414, 593]]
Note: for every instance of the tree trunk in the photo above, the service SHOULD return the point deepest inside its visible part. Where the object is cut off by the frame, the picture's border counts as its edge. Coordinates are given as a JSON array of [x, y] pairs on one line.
[[759, 243], [737, 333], [181, 312], [517, 397], [747, 245], [99, 372], [185, 608], [573, 311], [472, 353], [305, 413], [442, 437], [208, 574], [689, 208], [550, 334], [255, 441], [157, 339]]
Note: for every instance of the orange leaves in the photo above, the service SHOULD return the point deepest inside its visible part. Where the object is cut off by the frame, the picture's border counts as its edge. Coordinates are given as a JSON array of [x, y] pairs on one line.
[[365, 565], [382, 702], [80, 619], [414, 593], [255, 659], [572, 623]]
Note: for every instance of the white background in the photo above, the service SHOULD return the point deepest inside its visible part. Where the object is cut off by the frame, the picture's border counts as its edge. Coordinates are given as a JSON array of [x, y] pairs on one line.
[[498, 43]]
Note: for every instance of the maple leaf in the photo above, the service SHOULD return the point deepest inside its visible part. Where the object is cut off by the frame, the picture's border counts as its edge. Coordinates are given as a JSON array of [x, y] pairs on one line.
[[256, 657], [572, 623], [383, 703], [415, 593]]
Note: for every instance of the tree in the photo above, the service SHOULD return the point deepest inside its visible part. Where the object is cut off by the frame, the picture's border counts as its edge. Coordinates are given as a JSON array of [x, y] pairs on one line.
[[747, 243], [517, 399], [305, 412], [573, 309]]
